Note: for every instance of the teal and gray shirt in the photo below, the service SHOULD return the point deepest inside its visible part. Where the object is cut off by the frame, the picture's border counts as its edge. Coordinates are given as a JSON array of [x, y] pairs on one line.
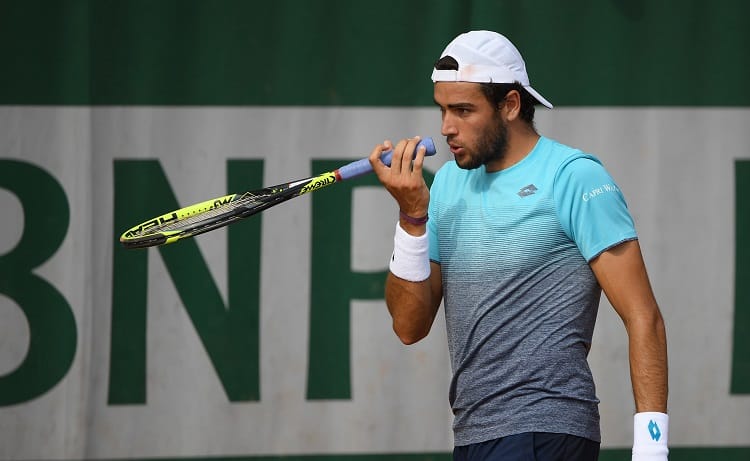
[[520, 298]]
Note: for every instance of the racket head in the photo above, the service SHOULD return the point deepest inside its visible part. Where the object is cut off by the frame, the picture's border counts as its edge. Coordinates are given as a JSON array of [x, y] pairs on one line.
[[200, 217], [218, 212]]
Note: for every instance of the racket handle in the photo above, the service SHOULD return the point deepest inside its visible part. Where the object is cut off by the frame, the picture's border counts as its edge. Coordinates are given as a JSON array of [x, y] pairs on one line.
[[362, 166]]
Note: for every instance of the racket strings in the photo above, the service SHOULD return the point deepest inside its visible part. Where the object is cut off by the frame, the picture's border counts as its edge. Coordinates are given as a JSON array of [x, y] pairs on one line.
[[246, 200]]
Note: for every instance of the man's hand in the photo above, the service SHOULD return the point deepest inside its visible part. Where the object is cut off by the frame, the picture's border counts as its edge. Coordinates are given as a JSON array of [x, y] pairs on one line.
[[404, 180]]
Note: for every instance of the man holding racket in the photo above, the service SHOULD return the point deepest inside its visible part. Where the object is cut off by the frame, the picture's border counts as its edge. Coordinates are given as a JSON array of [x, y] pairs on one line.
[[517, 237]]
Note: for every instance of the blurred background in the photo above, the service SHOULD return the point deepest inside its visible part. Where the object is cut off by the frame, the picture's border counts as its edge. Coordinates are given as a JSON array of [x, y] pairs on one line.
[[270, 339]]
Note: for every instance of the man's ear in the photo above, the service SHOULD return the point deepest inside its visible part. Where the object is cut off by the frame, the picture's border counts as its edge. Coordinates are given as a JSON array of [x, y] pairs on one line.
[[512, 105]]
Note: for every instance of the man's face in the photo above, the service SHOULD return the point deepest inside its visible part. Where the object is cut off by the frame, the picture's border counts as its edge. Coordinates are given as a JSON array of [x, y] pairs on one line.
[[474, 130]]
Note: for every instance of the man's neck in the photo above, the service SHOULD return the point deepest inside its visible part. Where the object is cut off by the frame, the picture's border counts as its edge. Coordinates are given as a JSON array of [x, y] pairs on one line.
[[520, 143]]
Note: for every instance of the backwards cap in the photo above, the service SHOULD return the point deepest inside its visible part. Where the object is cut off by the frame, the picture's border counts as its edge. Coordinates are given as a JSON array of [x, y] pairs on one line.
[[486, 57]]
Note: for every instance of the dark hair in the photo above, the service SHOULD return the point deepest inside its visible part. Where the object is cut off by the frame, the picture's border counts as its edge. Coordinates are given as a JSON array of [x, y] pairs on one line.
[[495, 93]]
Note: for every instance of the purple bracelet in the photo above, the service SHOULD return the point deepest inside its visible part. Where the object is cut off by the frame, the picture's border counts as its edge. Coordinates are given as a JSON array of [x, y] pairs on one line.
[[412, 219]]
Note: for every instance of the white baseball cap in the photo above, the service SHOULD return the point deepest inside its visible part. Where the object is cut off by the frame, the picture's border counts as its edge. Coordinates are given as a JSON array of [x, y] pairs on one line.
[[484, 56]]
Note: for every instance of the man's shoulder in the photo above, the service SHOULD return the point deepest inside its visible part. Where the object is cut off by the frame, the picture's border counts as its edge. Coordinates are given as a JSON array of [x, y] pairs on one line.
[[563, 156], [560, 151]]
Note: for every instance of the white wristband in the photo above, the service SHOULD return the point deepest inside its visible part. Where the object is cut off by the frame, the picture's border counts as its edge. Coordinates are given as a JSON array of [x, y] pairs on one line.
[[650, 436], [410, 260]]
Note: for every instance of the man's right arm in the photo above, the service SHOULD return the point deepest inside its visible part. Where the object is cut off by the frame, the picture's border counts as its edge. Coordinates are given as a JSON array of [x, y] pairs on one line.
[[413, 305]]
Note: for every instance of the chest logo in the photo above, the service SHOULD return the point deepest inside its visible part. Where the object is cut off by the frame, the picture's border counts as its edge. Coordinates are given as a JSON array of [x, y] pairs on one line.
[[527, 190]]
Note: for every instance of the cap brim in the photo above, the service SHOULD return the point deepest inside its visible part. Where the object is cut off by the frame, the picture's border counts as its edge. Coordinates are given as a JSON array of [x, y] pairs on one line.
[[538, 97]]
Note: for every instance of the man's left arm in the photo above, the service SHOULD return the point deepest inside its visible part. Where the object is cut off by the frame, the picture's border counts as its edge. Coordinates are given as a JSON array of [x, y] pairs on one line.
[[621, 272]]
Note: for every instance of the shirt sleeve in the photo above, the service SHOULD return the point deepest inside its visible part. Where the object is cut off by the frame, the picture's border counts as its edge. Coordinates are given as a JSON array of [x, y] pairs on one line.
[[591, 208]]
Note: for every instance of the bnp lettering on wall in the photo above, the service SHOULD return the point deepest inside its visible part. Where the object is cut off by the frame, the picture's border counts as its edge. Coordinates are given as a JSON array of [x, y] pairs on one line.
[[228, 330]]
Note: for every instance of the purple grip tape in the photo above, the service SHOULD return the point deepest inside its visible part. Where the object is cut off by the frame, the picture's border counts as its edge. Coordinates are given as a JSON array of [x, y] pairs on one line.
[[362, 166]]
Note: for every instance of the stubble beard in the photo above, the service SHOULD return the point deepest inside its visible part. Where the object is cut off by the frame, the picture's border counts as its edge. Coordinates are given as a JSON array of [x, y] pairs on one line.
[[490, 148]]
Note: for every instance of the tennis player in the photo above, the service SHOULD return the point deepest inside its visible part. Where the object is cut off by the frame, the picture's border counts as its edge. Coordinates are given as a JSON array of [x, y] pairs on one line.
[[518, 236]]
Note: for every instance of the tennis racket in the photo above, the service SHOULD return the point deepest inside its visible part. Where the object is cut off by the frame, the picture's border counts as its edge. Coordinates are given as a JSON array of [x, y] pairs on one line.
[[222, 211]]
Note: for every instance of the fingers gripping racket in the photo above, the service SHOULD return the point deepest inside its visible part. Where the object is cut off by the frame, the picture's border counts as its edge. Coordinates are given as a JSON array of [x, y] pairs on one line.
[[221, 211]]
